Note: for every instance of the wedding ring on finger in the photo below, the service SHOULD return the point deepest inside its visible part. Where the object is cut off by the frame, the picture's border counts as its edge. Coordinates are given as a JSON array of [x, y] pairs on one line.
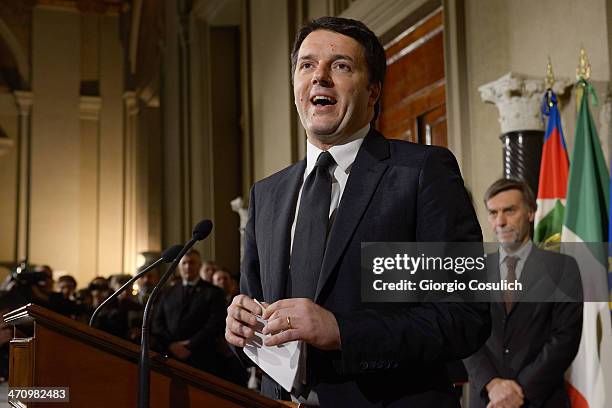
[[289, 327]]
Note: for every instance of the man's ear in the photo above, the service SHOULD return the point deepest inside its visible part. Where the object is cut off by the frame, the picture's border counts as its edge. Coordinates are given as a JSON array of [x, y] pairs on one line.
[[375, 90], [531, 215]]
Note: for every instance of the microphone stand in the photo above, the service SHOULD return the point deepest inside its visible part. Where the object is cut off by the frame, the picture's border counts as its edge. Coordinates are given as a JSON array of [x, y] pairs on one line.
[[144, 364]]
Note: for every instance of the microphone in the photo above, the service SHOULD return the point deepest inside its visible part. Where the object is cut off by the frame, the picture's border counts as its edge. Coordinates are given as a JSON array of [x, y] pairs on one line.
[[200, 232], [168, 256]]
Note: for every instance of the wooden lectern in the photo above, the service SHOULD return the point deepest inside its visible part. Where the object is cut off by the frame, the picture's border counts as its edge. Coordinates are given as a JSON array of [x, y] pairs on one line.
[[101, 370]]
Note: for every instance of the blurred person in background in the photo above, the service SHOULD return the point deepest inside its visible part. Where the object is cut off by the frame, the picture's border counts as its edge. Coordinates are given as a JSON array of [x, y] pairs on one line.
[[223, 279], [146, 284], [189, 318], [123, 316], [44, 295], [66, 285], [9, 300], [6, 335], [84, 304], [99, 289], [207, 270], [34, 284]]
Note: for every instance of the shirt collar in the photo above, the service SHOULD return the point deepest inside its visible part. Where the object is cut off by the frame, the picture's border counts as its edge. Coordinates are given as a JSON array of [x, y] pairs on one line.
[[522, 253], [191, 283], [344, 154]]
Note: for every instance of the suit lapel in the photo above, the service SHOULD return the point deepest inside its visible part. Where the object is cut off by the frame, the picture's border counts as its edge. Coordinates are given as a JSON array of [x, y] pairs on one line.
[[494, 275], [364, 177], [528, 273], [281, 215]]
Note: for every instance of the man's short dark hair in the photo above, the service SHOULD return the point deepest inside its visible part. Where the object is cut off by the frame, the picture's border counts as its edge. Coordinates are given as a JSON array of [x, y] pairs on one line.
[[193, 252], [67, 278], [373, 50], [505, 184]]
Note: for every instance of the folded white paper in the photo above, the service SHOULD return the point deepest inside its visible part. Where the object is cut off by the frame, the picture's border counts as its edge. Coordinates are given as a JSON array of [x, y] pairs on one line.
[[279, 362]]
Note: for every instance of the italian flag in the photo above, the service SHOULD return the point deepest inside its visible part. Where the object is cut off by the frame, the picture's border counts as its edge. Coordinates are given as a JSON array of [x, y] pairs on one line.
[[554, 170], [589, 378]]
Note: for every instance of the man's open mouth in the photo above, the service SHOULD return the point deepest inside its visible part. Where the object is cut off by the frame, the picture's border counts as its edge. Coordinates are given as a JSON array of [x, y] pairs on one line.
[[321, 100]]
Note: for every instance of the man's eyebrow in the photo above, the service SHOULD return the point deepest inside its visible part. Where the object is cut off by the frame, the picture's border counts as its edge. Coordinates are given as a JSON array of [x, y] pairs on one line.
[[342, 57], [335, 57]]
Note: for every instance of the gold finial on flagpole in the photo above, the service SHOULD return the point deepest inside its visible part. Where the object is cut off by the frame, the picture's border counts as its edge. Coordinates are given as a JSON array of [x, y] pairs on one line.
[[583, 71], [584, 67], [550, 75]]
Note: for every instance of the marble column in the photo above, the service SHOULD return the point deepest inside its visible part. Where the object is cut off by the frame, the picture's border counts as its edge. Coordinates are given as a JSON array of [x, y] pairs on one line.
[[23, 100], [518, 99]]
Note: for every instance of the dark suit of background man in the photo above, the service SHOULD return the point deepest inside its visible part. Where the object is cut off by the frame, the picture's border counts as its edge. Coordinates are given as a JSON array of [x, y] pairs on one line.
[[189, 318], [531, 344], [358, 354]]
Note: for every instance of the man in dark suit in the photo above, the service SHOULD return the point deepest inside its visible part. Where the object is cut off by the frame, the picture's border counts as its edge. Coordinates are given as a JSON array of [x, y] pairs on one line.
[[532, 343], [305, 229], [189, 318]]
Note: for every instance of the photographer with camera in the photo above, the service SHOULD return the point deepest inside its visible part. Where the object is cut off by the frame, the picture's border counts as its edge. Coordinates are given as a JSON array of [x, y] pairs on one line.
[[35, 285]]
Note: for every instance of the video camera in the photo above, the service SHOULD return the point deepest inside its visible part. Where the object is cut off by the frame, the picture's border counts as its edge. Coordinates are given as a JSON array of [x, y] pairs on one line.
[[24, 276]]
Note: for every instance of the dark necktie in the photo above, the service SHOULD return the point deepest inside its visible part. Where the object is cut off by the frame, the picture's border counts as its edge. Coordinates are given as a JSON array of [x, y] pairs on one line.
[[511, 262], [187, 291], [311, 230]]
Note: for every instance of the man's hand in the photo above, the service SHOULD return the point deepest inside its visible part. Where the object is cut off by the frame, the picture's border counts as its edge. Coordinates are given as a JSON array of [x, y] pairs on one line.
[[309, 322], [504, 394], [180, 350], [241, 322]]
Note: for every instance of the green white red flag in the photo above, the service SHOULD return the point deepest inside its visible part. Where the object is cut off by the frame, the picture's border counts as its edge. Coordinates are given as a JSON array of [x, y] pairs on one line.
[[586, 220]]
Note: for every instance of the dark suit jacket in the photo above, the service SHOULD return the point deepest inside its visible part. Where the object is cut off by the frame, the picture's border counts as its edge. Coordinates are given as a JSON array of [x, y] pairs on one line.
[[536, 342], [201, 320], [392, 354]]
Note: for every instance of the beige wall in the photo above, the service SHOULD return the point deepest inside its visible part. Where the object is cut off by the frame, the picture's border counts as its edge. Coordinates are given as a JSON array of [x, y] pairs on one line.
[[54, 233], [272, 97], [537, 29], [487, 59]]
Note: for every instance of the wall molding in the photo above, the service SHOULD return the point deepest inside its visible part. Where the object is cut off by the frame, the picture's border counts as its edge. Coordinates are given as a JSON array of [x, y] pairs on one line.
[[382, 16], [89, 107]]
